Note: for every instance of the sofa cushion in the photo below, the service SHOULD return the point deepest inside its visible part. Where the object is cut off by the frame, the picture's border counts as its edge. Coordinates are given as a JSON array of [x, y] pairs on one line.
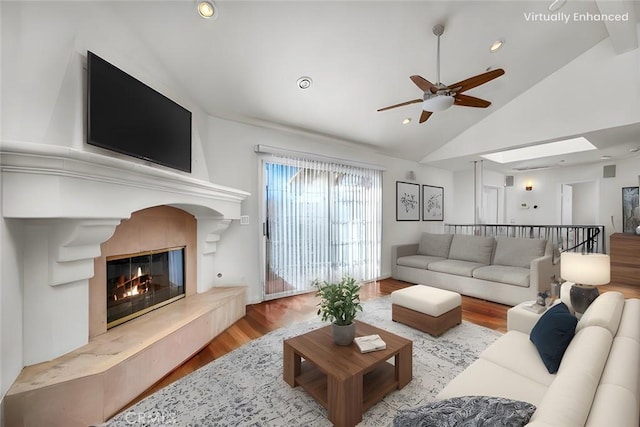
[[517, 276], [485, 378], [467, 411], [515, 351], [452, 266], [630, 320], [417, 261], [552, 335], [435, 244], [472, 248], [613, 406], [518, 252], [605, 311], [624, 352]]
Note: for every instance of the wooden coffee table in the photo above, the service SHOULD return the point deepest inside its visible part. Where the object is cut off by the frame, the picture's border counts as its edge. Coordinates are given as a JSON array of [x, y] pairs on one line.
[[342, 379]]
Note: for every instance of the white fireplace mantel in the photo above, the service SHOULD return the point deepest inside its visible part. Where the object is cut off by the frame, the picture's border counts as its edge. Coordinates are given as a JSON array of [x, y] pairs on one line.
[[50, 181], [70, 201]]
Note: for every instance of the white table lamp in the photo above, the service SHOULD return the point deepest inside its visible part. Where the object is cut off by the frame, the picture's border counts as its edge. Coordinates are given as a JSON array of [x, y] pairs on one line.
[[586, 271]]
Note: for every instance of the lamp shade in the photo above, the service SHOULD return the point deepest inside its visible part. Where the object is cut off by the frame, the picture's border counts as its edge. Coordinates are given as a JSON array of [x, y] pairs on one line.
[[585, 269], [438, 103]]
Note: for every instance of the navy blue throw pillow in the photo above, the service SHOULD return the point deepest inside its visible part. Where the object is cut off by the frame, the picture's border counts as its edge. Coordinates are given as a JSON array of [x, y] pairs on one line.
[[552, 335]]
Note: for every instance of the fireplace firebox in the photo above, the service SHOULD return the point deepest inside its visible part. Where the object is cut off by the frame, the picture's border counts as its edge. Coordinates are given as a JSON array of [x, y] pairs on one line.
[[139, 283]]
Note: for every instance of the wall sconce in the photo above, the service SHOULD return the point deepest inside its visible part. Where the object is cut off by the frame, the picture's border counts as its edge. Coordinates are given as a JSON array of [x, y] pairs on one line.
[[528, 186]]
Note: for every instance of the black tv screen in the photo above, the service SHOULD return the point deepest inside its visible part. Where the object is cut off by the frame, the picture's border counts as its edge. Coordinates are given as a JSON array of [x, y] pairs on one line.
[[127, 116]]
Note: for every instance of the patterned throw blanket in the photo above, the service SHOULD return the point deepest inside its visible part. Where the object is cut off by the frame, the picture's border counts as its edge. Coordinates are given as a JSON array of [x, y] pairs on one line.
[[468, 411]]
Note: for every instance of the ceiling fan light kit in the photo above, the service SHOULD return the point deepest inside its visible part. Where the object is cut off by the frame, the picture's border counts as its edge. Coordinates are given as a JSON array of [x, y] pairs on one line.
[[439, 97], [437, 102]]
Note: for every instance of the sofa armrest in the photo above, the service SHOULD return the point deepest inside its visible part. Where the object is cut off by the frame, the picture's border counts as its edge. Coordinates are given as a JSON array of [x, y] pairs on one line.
[[398, 251], [542, 273]]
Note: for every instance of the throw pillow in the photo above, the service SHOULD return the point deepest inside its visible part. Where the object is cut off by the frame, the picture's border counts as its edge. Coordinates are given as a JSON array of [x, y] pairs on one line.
[[552, 335], [516, 252], [467, 411], [435, 244]]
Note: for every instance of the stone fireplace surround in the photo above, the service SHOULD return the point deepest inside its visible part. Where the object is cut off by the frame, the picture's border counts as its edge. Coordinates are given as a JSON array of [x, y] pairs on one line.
[[154, 228], [69, 202]]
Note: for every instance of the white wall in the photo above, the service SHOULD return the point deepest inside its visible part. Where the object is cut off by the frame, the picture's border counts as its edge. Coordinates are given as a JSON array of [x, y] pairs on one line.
[[607, 193], [10, 302], [44, 48], [596, 199], [585, 211], [463, 194], [232, 161]]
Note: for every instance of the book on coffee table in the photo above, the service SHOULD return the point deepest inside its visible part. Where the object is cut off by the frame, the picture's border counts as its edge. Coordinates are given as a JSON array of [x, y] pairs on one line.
[[370, 343]]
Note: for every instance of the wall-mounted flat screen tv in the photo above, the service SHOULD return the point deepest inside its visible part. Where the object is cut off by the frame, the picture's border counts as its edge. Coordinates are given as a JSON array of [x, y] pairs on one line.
[[127, 116]]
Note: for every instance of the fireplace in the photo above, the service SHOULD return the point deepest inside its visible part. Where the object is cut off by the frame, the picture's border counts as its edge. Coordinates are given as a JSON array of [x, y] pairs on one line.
[[148, 262], [62, 225], [139, 283], [58, 205]]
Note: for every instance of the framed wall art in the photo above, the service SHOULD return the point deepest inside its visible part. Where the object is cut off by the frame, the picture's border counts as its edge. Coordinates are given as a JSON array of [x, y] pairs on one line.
[[432, 203], [407, 201], [630, 209]]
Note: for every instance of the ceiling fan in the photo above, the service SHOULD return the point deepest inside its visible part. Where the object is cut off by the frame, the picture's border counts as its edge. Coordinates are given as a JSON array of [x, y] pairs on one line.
[[439, 97]]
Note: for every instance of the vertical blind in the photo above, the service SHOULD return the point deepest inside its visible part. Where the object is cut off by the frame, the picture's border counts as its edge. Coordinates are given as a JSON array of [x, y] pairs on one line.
[[323, 221]]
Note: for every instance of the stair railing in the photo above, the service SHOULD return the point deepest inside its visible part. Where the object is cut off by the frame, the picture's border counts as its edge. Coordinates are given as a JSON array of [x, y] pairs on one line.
[[566, 238]]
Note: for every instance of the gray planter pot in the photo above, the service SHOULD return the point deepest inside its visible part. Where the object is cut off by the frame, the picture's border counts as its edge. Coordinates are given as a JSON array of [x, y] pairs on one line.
[[344, 335]]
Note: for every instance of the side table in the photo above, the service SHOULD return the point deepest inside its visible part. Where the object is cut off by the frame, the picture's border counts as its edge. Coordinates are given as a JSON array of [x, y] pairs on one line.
[[522, 318]]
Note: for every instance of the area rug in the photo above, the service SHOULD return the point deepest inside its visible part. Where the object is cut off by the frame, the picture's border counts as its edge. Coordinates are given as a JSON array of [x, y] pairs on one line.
[[245, 387]]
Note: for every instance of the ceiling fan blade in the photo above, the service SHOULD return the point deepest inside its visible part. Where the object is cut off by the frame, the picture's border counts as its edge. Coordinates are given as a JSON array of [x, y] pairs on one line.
[[414, 101], [424, 84], [475, 81], [425, 115], [470, 101]]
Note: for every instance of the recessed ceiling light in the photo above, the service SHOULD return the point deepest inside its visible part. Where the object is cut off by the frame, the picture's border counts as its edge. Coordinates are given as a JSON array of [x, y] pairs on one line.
[[406, 121], [634, 150], [305, 82], [556, 5], [206, 9], [496, 46], [605, 157]]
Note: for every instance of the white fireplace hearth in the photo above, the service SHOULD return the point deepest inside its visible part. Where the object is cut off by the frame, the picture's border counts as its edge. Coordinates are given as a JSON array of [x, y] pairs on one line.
[[70, 202]]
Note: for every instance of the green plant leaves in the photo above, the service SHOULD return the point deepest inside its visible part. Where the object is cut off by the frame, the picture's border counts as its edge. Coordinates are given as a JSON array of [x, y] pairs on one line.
[[339, 301]]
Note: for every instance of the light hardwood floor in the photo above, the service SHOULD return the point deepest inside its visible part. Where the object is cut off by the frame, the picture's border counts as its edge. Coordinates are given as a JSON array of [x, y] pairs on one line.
[[270, 315]]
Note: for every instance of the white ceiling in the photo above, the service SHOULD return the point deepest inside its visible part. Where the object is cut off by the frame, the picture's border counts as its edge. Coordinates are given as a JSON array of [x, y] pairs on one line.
[[244, 65]]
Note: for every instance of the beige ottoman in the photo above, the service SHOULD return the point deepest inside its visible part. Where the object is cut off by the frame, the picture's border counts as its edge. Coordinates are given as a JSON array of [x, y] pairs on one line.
[[428, 309]]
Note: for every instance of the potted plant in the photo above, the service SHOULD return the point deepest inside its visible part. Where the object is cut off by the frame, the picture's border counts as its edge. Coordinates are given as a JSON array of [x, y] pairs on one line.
[[339, 303]]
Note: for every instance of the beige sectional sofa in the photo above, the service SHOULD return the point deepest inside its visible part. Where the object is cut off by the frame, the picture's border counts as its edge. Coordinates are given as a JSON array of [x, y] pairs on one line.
[[596, 385], [503, 269]]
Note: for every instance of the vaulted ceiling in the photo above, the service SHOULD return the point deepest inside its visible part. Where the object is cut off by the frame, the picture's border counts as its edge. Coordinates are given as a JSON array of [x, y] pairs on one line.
[[245, 64]]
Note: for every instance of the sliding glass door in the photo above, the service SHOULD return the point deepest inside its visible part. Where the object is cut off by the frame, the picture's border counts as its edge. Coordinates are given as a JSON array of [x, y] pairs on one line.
[[322, 221]]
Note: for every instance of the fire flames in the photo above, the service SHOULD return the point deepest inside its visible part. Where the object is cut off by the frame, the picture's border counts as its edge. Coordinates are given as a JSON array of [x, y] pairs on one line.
[[136, 289]]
